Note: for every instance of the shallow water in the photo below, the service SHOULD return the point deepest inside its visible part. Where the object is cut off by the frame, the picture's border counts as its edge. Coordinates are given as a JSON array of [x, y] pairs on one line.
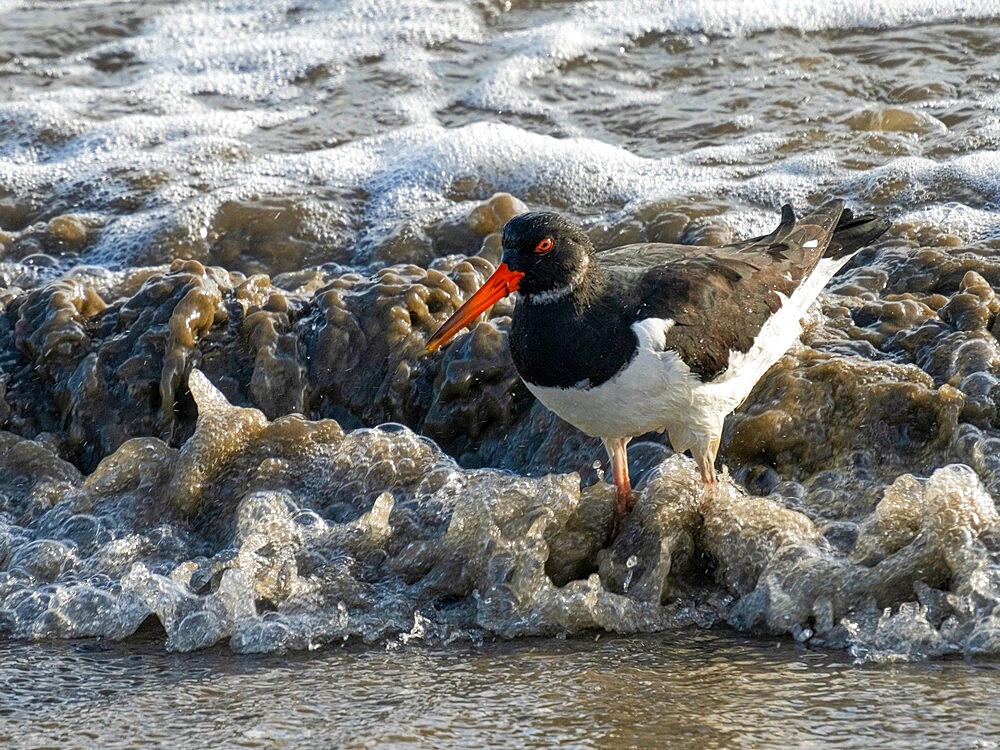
[[693, 690], [227, 230]]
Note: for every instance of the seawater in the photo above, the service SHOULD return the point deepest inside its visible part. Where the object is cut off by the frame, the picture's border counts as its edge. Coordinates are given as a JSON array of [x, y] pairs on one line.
[[694, 689], [227, 230]]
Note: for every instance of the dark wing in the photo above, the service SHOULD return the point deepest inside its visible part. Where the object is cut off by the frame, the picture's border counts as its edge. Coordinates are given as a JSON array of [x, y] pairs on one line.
[[719, 298]]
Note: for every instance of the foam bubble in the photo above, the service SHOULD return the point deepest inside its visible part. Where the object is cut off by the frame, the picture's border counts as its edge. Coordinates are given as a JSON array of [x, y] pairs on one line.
[[306, 535], [151, 134], [195, 49], [544, 49], [414, 172]]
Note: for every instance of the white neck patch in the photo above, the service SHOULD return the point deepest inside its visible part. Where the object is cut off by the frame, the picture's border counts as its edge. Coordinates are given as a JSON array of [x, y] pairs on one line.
[[552, 295]]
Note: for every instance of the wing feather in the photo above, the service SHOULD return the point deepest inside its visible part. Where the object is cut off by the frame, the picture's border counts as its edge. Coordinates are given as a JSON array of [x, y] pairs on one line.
[[719, 298]]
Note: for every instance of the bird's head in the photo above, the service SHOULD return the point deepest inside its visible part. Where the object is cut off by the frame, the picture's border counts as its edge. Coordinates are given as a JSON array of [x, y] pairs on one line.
[[544, 257]]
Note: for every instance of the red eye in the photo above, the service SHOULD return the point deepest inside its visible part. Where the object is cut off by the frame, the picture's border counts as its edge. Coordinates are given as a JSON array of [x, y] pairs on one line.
[[544, 246]]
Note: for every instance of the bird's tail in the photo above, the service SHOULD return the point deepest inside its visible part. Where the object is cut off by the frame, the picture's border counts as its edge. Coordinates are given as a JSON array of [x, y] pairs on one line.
[[854, 232]]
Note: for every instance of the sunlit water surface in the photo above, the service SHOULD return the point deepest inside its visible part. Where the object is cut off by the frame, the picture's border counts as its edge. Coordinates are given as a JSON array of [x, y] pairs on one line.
[[690, 689]]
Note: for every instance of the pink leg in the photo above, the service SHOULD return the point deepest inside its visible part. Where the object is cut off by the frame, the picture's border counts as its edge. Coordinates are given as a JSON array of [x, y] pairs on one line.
[[618, 453], [705, 458]]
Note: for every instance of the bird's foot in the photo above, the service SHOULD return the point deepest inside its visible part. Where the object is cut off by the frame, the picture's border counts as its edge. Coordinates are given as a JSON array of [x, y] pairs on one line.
[[617, 452], [616, 526], [624, 502], [709, 494]]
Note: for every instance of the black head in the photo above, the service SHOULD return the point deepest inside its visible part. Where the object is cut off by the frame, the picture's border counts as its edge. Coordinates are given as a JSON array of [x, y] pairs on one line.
[[550, 251], [543, 254]]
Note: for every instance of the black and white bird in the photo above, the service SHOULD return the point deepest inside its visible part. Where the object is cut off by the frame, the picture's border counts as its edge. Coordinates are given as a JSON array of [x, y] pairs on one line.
[[653, 337]]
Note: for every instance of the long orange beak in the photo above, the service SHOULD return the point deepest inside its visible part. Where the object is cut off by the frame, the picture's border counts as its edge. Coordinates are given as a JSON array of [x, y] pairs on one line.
[[499, 285]]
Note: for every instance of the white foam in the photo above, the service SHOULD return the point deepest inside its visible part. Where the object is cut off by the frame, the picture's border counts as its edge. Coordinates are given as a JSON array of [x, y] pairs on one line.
[[925, 189], [158, 120], [971, 224], [412, 171], [256, 50], [601, 24]]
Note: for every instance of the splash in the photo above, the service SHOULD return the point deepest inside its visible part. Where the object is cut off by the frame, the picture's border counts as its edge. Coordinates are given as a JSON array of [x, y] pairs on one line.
[[290, 534], [226, 233]]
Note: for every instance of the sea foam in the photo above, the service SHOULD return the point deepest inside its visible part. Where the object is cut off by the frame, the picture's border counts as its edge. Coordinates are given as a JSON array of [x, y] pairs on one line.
[[150, 135]]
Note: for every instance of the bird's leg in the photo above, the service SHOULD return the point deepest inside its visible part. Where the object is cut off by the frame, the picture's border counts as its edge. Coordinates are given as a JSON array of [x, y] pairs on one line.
[[705, 458], [618, 453]]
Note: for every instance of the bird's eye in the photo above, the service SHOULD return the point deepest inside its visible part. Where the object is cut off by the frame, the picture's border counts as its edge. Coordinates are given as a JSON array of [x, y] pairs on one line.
[[544, 246]]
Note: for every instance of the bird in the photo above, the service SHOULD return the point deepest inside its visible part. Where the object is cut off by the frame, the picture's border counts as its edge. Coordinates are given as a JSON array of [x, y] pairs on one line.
[[656, 337]]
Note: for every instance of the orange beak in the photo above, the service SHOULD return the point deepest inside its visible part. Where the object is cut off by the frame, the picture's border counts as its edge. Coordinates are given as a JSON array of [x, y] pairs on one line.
[[499, 285]]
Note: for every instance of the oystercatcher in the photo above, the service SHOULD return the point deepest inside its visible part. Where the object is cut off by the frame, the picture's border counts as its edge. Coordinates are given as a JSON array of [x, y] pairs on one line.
[[655, 337]]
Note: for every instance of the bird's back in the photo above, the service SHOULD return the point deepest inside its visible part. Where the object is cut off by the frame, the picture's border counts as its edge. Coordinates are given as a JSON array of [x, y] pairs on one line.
[[719, 298]]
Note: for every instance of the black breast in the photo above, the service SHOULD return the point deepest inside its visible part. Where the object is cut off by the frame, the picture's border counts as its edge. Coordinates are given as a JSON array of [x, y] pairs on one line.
[[562, 344]]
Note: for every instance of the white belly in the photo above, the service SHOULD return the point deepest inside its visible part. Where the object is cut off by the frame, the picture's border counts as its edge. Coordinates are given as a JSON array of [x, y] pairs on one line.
[[656, 388], [656, 391]]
